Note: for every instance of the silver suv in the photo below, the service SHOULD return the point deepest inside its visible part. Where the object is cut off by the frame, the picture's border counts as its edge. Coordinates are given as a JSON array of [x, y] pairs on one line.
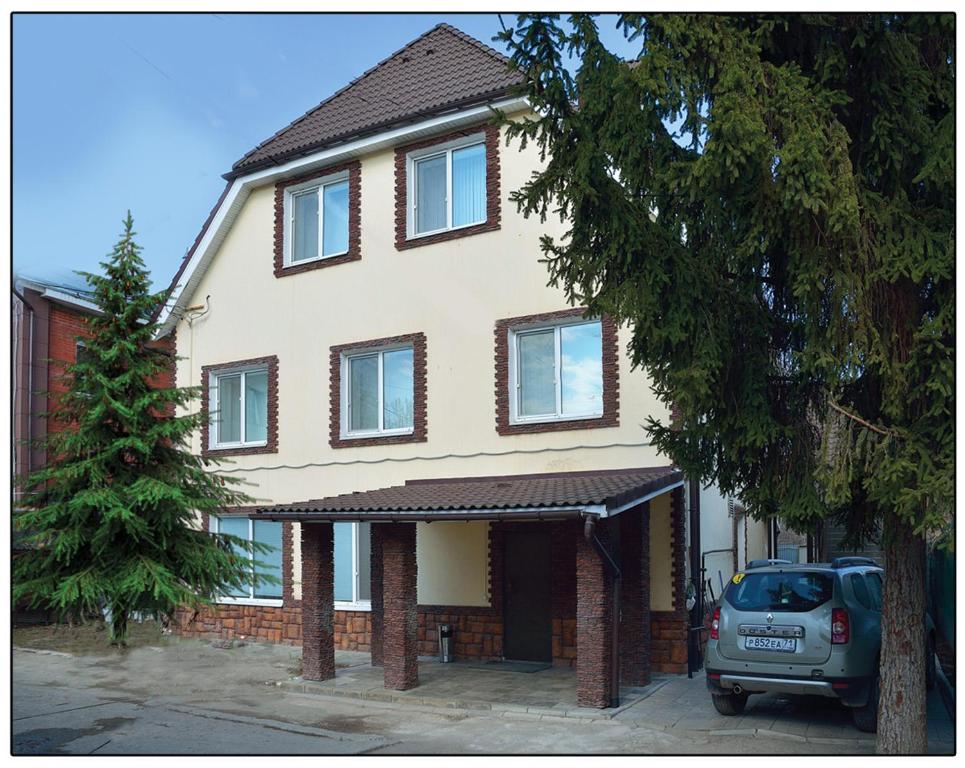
[[812, 629]]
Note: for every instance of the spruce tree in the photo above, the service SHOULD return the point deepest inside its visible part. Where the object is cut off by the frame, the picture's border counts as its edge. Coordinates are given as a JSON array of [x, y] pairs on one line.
[[110, 520], [769, 201]]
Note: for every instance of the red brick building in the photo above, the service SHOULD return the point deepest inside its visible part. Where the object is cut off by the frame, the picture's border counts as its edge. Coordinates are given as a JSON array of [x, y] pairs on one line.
[[48, 328], [48, 325]]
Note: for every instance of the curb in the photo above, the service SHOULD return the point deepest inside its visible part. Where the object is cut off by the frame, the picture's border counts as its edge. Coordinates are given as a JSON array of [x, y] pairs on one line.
[[42, 651], [469, 706], [769, 733]]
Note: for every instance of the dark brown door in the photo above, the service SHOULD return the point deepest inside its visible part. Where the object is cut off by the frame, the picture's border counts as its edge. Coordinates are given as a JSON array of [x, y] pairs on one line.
[[527, 596]]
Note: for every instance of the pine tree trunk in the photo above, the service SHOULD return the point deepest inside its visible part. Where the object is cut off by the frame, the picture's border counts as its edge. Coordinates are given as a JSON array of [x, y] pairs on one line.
[[902, 724], [118, 626]]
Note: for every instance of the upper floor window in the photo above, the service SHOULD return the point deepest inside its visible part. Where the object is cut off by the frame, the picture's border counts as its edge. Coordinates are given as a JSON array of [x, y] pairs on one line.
[[449, 187], [82, 354], [317, 219], [265, 532], [239, 401], [379, 392], [556, 371]]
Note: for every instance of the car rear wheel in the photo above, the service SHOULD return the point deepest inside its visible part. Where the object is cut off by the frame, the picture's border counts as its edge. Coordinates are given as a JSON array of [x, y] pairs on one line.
[[730, 703], [866, 717]]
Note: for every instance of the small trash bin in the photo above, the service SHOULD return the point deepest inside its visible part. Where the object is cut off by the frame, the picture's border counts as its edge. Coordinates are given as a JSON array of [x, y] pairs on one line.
[[445, 643]]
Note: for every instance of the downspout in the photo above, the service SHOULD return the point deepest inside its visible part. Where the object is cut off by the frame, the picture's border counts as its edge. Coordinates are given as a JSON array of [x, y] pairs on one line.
[[610, 565], [697, 613], [25, 343]]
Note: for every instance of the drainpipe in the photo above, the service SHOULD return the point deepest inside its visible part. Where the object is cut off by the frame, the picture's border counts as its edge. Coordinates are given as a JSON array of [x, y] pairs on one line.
[[697, 614], [610, 565]]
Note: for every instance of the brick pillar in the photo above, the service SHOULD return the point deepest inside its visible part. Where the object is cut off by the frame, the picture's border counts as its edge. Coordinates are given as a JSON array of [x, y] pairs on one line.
[[594, 608], [563, 549], [375, 567], [400, 622], [635, 596], [678, 548], [318, 601]]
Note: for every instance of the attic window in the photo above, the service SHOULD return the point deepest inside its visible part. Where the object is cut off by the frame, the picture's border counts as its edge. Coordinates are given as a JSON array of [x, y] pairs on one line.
[[317, 220], [448, 187], [316, 215]]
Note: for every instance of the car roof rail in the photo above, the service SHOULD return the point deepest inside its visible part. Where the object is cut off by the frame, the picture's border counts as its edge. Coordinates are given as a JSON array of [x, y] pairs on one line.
[[765, 563], [847, 562]]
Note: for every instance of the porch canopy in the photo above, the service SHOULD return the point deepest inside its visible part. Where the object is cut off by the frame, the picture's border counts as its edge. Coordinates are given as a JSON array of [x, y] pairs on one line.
[[555, 495], [602, 659]]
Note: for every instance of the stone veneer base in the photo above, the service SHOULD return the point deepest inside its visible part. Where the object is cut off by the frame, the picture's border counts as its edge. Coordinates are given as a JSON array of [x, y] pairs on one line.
[[478, 635]]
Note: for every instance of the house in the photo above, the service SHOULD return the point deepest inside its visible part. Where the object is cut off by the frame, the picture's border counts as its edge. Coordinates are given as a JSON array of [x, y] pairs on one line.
[[47, 327], [48, 324], [48, 332], [432, 435]]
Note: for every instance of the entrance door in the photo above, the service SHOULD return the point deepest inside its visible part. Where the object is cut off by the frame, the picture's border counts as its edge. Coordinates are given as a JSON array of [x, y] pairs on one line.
[[527, 596]]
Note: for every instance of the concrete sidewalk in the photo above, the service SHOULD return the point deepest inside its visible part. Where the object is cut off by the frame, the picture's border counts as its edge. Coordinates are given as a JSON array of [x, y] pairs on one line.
[[188, 697]]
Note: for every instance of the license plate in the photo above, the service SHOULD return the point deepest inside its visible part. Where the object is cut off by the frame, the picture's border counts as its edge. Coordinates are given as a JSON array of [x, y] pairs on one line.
[[784, 644]]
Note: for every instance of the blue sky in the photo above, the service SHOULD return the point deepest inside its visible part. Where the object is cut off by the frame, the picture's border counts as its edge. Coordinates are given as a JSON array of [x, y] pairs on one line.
[[118, 111]]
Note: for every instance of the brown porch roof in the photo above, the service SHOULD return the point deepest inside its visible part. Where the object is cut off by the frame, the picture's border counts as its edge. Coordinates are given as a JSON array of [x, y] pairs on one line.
[[598, 492]]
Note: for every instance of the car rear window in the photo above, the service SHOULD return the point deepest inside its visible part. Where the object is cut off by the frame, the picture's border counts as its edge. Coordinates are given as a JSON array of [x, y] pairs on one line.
[[861, 590], [874, 586], [786, 591]]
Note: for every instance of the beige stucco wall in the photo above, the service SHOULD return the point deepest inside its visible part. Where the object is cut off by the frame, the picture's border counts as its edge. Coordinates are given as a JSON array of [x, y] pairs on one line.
[[661, 555], [756, 539], [716, 532], [453, 562], [453, 292]]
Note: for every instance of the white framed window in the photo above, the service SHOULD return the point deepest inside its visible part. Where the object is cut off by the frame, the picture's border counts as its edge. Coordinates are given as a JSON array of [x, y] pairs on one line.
[[316, 220], [264, 532], [353, 581], [447, 186], [378, 393], [83, 355], [556, 372], [239, 407]]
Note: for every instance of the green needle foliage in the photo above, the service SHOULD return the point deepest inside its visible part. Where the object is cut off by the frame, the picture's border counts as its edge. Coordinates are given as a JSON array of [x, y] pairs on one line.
[[109, 521], [770, 202]]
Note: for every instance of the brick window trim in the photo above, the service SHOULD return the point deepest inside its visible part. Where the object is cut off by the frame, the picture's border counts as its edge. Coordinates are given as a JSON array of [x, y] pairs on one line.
[[611, 376], [354, 219], [419, 432], [493, 210], [207, 371]]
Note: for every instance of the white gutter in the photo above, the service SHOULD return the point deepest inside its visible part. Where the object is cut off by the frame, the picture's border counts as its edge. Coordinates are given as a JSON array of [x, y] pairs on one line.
[[66, 298], [537, 513], [242, 186], [54, 294], [635, 502]]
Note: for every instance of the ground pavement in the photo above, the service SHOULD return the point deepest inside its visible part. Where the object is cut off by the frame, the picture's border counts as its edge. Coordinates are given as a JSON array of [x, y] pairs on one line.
[[186, 696]]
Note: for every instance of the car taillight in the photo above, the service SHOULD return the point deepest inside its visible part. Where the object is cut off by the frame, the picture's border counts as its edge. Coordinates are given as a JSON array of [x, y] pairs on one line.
[[840, 626], [715, 625]]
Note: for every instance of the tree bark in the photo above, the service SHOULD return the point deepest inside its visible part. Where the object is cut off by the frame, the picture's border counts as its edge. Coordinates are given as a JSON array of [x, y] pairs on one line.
[[119, 627], [902, 724]]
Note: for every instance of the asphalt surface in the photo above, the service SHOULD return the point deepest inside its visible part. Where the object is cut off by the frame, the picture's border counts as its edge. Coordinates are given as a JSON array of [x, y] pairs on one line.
[[189, 698]]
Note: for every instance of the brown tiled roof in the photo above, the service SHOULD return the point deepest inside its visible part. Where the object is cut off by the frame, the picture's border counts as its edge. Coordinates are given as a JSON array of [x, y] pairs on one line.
[[438, 71], [612, 488]]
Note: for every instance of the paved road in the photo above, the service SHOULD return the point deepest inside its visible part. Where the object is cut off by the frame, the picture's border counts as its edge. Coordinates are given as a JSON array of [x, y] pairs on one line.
[[189, 698], [59, 720]]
